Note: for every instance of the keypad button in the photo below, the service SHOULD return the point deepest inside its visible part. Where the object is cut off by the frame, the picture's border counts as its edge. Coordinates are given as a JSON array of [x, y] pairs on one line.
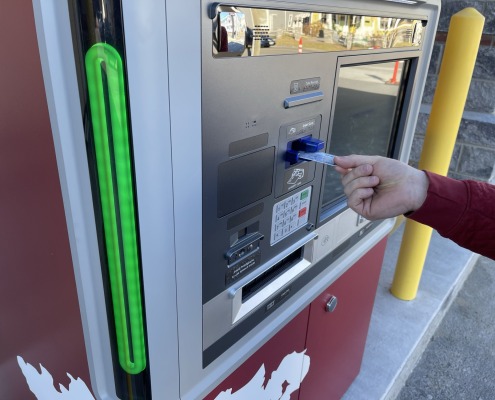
[[290, 214]]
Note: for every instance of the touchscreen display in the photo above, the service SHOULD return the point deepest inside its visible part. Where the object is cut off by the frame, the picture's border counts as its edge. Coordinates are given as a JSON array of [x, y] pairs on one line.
[[365, 116]]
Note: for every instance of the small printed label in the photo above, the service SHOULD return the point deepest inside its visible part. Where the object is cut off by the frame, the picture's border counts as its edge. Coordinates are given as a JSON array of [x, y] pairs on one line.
[[298, 175], [239, 269], [280, 297], [306, 127], [304, 85]]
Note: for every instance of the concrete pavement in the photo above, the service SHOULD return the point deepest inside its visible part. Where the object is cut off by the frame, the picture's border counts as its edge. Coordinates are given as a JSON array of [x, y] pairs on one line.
[[459, 361], [400, 331]]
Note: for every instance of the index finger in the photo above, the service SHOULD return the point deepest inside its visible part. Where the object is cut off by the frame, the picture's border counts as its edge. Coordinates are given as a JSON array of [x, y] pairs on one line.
[[353, 161], [360, 171]]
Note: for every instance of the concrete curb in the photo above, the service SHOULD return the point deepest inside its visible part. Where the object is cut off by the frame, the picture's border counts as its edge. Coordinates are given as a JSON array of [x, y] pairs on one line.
[[400, 330], [414, 356]]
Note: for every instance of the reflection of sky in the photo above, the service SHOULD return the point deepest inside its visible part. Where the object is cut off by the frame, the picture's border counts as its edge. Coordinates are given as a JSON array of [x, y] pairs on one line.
[[233, 22], [235, 26]]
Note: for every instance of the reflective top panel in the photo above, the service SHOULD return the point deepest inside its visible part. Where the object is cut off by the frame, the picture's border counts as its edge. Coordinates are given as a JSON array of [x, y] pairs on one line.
[[244, 32]]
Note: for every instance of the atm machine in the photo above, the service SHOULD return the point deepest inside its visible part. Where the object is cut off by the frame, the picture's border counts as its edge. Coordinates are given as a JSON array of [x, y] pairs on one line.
[[212, 260]]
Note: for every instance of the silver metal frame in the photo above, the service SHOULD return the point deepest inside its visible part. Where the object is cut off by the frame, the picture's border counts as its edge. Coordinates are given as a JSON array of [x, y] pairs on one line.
[[149, 103], [59, 74]]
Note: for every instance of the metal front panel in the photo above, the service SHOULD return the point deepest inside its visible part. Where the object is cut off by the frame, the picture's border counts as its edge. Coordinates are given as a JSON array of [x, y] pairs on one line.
[[255, 105], [244, 98], [219, 116]]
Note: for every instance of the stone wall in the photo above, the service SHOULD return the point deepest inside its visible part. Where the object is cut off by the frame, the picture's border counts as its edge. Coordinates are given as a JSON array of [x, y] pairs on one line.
[[474, 153]]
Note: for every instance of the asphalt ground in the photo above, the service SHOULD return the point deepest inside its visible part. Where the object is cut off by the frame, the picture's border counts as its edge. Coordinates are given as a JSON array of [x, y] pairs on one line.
[[459, 360]]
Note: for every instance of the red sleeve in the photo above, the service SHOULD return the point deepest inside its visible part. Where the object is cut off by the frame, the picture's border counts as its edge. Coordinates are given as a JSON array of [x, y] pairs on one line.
[[463, 211]]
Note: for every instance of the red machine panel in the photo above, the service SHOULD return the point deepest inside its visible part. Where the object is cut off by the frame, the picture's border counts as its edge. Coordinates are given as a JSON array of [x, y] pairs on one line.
[[330, 343], [40, 317], [277, 367], [336, 339]]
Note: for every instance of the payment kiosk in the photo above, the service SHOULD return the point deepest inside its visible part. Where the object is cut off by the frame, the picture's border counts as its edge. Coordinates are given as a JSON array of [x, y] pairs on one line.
[[203, 240]]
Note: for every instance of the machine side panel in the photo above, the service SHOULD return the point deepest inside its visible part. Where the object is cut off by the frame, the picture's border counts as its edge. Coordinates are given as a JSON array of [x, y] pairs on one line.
[[40, 318], [184, 66]]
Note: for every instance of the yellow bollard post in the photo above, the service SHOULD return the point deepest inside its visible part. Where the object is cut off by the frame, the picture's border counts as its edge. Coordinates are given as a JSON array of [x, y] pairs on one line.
[[461, 48]]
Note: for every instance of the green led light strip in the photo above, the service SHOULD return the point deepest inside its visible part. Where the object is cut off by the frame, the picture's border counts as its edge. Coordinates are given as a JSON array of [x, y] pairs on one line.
[[113, 163]]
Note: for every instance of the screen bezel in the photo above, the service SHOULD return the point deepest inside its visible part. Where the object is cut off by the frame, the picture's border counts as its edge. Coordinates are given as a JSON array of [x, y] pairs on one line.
[[394, 150]]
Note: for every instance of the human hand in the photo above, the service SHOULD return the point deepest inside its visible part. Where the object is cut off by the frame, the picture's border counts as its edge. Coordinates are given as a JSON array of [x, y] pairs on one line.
[[378, 187]]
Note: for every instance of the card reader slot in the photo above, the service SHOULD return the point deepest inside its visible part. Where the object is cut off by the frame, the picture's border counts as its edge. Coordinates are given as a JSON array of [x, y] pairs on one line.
[[269, 275]]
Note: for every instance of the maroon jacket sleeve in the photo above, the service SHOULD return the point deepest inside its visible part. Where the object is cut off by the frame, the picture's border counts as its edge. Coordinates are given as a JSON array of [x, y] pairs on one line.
[[463, 211]]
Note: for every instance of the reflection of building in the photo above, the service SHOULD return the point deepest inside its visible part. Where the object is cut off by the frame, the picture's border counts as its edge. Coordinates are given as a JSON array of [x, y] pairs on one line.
[[338, 30], [380, 32], [285, 22]]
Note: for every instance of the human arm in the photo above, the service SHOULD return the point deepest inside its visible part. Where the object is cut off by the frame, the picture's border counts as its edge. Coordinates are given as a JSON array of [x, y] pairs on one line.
[[379, 187], [463, 211]]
